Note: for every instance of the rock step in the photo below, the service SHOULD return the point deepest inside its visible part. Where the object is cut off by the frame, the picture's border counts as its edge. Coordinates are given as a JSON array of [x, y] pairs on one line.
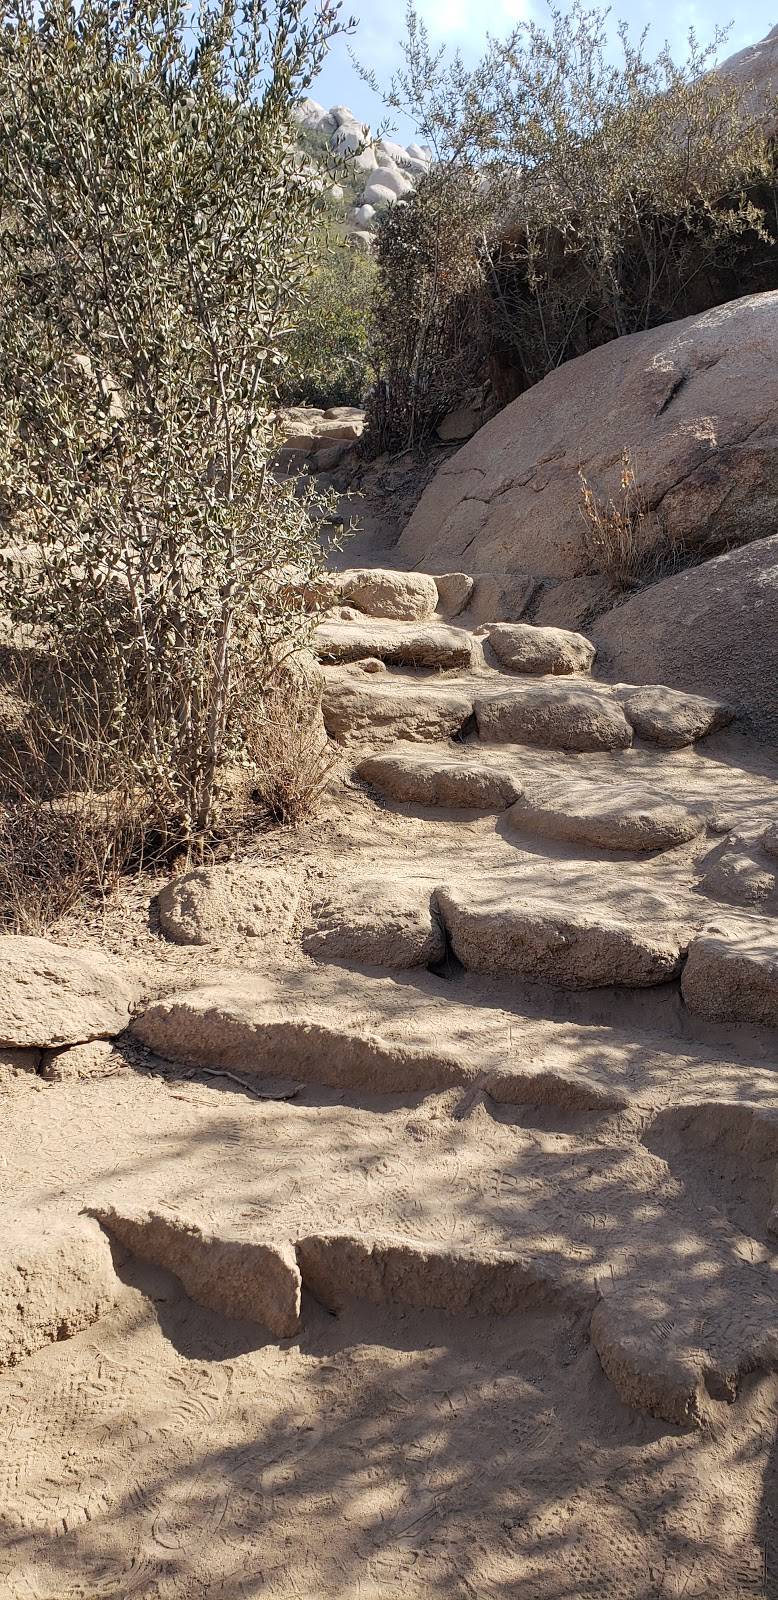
[[732, 974], [388, 708], [399, 644], [522, 647], [563, 714], [56, 1278], [456, 778], [52, 995], [616, 817], [645, 1331], [606, 816], [553, 945]]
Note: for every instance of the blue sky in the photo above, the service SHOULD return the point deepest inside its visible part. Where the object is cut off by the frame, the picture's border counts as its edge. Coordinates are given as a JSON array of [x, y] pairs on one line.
[[464, 23]]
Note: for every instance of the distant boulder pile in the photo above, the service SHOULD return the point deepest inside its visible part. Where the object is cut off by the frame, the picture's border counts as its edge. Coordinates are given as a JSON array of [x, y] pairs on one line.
[[383, 171]]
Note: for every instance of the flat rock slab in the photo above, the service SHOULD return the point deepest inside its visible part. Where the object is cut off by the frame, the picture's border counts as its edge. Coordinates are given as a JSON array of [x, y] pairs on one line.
[[387, 708], [547, 944], [213, 905], [230, 1028], [672, 719], [605, 817], [52, 995], [441, 781], [235, 1276], [418, 645], [381, 592], [732, 974], [522, 647], [55, 1279], [556, 716], [739, 873], [391, 924]]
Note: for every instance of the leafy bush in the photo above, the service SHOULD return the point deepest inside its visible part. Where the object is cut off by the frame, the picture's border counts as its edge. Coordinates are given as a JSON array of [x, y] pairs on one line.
[[155, 241], [328, 352], [603, 197]]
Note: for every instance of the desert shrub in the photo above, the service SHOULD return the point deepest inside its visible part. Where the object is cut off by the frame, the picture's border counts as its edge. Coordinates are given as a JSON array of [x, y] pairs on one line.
[[624, 539], [328, 351], [613, 194], [155, 240]]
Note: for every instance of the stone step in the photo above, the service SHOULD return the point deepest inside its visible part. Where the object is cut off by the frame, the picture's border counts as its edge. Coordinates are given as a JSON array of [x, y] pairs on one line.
[[558, 716], [732, 973], [670, 717], [501, 934], [424, 646], [456, 779], [388, 708], [386, 924], [522, 647], [605, 816], [56, 1278]]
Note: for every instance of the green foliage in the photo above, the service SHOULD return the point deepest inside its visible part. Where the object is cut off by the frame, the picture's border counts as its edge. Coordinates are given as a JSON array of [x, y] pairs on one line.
[[606, 196], [155, 242], [328, 350]]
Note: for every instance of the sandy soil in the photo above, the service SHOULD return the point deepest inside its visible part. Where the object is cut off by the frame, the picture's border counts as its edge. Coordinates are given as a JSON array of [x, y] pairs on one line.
[[623, 1150]]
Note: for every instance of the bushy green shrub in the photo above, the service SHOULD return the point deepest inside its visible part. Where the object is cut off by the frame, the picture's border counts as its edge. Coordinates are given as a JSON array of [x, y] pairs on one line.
[[155, 240], [574, 198], [328, 351]]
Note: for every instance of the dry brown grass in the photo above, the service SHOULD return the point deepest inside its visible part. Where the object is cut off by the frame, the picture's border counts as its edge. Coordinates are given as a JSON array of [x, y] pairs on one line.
[[70, 821], [292, 759], [624, 539]]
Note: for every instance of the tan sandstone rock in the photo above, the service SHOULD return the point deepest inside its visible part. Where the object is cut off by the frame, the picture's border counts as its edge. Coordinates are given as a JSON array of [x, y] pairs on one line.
[[672, 719], [230, 1027], [51, 994], [732, 974], [55, 1279], [558, 716], [710, 631], [695, 403], [389, 708], [390, 924], [226, 1273], [441, 780], [522, 647], [234, 900], [408, 644], [624, 817], [496, 932], [381, 592]]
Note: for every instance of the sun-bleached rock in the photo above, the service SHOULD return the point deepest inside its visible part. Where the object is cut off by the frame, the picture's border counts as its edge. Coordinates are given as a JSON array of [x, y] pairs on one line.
[[710, 631], [386, 707], [223, 1271], [620, 817], [234, 900], [740, 873], [409, 644], [441, 779], [229, 1027], [454, 592], [338, 1268], [523, 647], [56, 1278], [497, 932], [672, 719], [732, 974], [380, 592], [391, 924], [97, 1059], [52, 994], [694, 401], [557, 716]]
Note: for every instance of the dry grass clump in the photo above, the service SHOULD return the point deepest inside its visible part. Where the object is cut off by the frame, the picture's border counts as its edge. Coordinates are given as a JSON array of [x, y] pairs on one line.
[[623, 538], [71, 822], [290, 755]]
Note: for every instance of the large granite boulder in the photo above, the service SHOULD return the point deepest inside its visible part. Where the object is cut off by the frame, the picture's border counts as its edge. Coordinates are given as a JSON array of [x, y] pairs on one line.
[[695, 403]]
